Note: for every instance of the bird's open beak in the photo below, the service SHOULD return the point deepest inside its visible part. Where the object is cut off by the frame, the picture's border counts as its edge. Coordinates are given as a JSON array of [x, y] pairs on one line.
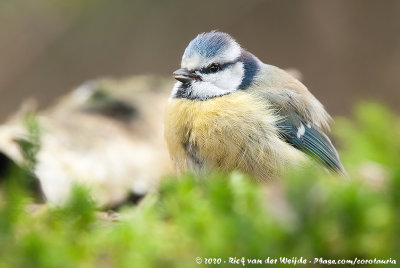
[[183, 75]]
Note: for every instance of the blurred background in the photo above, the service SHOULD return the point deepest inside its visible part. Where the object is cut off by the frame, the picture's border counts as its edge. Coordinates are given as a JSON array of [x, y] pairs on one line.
[[345, 50]]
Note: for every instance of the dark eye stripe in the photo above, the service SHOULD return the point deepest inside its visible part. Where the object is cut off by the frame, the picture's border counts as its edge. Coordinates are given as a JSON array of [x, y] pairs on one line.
[[212, 68], [221, 67]]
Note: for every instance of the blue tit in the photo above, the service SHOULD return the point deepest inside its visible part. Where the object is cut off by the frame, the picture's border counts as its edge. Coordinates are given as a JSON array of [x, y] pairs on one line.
[[230, 111]]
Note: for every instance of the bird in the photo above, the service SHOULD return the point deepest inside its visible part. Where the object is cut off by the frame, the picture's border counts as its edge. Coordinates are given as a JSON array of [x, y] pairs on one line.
[[230, 111]]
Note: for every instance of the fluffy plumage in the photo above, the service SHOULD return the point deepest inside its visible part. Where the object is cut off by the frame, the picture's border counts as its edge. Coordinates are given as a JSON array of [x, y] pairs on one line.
[[229, 111]]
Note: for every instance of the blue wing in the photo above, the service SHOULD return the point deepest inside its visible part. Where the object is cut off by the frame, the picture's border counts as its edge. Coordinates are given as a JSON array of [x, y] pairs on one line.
[[311, 141]]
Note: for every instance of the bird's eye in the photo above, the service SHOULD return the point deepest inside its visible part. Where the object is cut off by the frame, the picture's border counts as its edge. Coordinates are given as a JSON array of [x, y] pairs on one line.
[[213, 68]]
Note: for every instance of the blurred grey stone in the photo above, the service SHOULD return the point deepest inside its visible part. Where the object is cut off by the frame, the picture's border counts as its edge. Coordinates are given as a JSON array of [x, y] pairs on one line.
[[106, 134]]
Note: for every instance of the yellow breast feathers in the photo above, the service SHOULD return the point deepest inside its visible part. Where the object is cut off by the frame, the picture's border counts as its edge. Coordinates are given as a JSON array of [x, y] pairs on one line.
[[235, 131]]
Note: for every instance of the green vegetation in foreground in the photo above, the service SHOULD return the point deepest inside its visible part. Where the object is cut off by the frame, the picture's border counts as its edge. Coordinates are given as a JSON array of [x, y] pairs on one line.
[[311, 214]]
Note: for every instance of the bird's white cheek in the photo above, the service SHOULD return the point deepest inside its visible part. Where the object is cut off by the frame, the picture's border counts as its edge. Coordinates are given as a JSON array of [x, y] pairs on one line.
[[205, 90], [231, 78]]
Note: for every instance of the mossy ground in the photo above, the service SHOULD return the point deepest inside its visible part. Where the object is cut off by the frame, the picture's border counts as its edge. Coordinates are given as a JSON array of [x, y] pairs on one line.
[[310, 214]]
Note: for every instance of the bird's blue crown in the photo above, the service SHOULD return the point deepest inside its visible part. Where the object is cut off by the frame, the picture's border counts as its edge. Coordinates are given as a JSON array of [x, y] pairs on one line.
[[208, 44]]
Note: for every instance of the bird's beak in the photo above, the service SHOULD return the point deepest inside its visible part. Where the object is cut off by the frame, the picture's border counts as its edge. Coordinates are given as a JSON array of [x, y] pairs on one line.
[[183, 75]]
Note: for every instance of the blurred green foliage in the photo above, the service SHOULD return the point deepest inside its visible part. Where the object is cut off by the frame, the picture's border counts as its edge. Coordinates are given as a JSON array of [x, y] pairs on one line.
[[310, 214], [30, 144]]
